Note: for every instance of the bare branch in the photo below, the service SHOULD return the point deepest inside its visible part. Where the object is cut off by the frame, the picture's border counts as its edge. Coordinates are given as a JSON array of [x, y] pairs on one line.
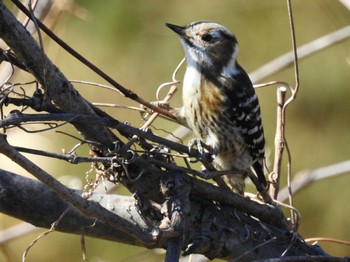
[[69, 157], [86, 207], [303, 51], [126, 92], [16, 118], [214, 231], [43, 209], [57, 86], [274, 177], [295, 56], [152, 117], [42, 235], [305, 178], [326, 239], [294, 92]]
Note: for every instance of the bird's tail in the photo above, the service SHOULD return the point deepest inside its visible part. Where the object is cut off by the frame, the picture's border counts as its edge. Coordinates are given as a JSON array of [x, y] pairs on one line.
[[259, 171]]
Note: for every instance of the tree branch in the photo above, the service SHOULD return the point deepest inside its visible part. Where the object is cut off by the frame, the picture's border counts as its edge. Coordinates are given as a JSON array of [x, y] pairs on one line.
[[58, 88], [215, 232], [303, 51], [19, 198], [305, 178], [274, 177], [88, 208], [191, 214], [126, 92]]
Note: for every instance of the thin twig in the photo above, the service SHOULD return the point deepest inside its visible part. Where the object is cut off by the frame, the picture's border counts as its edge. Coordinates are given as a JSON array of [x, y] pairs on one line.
[[88, 208], [327, 239], [303, 51], [165, 101], [82, 241], [126, 92], [19, 118], [89, 83], [274, 177], [173, 82], [280, 139], [153, 117], [134, 108], [71, 158], [290, 100], [52, 229], [292, 210], [274, 83], [254, 248]]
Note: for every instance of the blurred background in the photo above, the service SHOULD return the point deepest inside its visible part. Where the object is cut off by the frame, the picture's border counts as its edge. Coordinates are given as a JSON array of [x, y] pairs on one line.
[[129, 41]]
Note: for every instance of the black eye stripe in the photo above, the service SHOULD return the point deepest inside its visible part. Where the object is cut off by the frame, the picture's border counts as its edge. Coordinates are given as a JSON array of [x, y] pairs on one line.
[[210, 37]]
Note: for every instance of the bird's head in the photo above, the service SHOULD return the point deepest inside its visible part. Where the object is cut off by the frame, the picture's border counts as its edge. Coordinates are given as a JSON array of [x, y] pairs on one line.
[[207, 44]]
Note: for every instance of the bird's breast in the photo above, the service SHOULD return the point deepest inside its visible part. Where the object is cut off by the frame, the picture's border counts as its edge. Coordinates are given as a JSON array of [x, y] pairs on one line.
[[198, 91], [191, 86], [203, 106]]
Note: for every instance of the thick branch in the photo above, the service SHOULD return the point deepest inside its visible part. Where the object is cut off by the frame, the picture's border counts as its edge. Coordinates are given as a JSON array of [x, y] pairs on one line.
[[266, 213], [20, 198], [215, 232], [88, 208]]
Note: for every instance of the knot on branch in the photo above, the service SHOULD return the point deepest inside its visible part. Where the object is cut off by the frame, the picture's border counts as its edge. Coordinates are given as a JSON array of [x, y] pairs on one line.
[[175, 187]]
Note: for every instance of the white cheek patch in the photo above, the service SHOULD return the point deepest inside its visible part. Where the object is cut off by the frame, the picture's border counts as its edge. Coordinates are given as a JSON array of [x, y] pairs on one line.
[[192, 81], [230, 69], [192, 56]]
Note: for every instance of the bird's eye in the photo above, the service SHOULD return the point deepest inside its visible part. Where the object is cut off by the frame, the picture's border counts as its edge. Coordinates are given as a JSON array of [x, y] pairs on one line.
[[207, 37]]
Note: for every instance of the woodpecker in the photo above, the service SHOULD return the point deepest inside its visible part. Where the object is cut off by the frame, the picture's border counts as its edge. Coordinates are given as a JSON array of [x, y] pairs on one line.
[[219, 101]]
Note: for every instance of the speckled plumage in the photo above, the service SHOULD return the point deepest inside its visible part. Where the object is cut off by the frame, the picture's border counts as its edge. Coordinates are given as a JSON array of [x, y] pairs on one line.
[[219, 101]]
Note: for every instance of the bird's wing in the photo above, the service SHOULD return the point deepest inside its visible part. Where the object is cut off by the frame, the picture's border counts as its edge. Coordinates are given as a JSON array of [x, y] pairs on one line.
[[246, 116]]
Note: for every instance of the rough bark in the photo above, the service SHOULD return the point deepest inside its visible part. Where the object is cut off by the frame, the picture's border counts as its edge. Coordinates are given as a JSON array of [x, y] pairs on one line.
[[217, 232]]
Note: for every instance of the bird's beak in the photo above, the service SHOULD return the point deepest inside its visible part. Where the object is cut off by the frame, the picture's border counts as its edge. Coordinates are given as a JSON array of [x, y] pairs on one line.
[[177, 29]]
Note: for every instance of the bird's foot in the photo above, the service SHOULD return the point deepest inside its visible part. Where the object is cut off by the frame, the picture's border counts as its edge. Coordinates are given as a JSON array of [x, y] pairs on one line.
[[199, 150]]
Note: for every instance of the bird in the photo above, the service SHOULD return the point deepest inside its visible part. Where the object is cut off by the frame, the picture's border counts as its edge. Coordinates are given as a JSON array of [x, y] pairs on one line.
[[220, 105]]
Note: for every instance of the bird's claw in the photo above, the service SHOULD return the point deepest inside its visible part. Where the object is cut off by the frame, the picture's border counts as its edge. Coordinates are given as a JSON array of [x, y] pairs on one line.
[[197, 149]]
